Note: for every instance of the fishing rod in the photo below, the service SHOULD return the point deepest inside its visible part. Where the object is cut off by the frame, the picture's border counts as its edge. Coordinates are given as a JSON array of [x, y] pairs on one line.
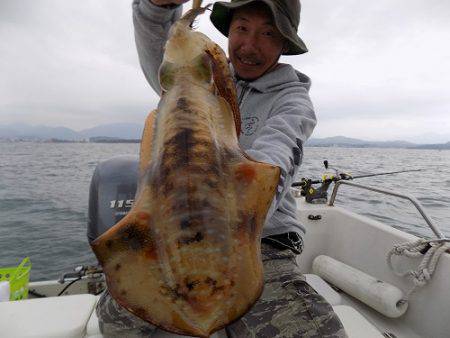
[[343, 176], [320, 194]]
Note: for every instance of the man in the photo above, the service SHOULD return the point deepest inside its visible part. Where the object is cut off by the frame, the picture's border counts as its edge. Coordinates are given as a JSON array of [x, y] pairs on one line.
[[277, 118]]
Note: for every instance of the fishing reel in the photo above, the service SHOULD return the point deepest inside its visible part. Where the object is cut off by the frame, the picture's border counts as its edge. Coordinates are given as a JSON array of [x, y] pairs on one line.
[[319, 195], [80, 272], [312, 194], [93, 274]]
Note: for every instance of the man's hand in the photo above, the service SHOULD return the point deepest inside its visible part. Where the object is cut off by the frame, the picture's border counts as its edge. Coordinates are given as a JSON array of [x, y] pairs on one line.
[[168, 2]]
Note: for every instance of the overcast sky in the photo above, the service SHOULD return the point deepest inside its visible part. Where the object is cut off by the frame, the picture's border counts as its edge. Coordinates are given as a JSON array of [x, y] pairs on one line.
[[380, 69]]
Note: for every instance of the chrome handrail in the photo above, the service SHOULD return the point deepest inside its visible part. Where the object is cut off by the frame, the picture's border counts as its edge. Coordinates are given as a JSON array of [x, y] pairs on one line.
[[412, 199]]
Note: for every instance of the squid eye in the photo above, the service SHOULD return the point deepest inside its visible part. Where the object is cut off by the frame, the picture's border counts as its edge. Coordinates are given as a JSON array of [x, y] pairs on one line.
[[166, 75]]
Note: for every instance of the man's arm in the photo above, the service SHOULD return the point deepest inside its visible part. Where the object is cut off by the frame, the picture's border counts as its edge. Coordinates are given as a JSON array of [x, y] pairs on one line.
[[282, 137], [152, 21]]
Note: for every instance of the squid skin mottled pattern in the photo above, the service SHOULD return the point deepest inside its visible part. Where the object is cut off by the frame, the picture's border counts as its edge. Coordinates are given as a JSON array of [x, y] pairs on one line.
[[187, 256]]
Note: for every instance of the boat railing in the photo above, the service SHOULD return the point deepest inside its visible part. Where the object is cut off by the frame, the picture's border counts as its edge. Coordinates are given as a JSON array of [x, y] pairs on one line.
[[412, 199]]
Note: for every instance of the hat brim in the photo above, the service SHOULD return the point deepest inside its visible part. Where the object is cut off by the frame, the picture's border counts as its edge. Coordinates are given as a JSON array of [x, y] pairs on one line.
[[221, 19]]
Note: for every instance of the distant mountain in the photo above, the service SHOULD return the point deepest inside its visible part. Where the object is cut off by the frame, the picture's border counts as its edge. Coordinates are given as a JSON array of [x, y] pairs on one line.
[[115, 130], [23, 131], [393, 144], [430, 138], [443, 146], [105, 139], [342, 141], [337, 141], [28, 132], [132, 132]]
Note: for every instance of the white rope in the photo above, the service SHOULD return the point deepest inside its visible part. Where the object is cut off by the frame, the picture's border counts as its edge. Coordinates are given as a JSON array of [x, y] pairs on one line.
[[425, 270]]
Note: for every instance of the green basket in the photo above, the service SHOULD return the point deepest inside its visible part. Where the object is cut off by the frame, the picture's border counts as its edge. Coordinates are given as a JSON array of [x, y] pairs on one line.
[[18, 278]]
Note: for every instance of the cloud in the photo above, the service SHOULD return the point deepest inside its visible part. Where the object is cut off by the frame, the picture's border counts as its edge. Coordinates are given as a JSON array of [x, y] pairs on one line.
[[382, 64], [70, 64], [382, 67]]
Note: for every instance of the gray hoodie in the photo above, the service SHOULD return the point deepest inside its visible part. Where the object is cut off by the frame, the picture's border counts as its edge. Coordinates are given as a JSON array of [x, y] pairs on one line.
[[276, 111]]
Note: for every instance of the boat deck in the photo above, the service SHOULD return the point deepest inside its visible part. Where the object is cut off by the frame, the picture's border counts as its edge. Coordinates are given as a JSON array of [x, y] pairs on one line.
[[74, 316], [352, 240]]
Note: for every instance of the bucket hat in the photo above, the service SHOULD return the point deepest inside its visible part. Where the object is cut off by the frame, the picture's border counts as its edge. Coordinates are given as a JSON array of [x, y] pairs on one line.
[[286, 14]]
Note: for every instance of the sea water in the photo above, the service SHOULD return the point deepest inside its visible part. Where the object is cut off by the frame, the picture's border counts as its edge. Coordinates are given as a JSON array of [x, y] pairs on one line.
[[44, 190]]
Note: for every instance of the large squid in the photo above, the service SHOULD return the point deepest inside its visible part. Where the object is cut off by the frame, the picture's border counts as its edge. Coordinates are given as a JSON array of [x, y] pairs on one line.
[[187, 256]]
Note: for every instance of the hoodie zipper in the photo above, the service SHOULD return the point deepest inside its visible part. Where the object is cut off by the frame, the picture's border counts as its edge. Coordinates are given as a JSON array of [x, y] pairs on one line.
[[243, 92]]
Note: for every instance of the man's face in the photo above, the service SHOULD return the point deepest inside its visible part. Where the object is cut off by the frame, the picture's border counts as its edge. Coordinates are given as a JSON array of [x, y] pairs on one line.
[[254, 42]]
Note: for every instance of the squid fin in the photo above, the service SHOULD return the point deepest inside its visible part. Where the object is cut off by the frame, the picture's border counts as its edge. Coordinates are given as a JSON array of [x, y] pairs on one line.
[[146, 143], [128, 253], [224, 82], [256, 183]]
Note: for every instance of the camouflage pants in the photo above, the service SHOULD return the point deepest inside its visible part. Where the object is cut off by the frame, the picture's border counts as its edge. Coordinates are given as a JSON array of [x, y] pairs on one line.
[[288, 307]]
